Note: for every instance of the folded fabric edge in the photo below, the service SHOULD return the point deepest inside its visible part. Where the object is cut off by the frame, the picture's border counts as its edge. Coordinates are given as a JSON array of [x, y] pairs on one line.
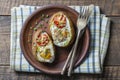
[[11, 40], [105, 41]]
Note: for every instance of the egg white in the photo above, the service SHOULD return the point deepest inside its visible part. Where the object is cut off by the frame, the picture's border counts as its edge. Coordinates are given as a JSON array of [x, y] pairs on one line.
[[42, 49], [68, 39]]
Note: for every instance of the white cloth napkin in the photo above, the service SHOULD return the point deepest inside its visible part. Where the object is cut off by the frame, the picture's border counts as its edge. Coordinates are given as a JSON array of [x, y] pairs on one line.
[[99, 39]]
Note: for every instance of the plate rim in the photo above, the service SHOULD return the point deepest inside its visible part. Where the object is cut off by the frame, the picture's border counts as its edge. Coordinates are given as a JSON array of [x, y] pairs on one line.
[[25, 24]]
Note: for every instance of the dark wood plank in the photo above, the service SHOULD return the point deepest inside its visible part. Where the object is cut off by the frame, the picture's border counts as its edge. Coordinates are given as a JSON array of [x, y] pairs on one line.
[[113, 54], [109, 7], [7, 74], [5, 24], [109, 73], [112, 7], [4, 40], [4, 49]]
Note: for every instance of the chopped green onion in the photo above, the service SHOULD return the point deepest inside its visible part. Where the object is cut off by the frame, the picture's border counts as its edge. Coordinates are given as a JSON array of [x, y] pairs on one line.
[[47, 16], [35, 29], [47, 21], [43, 16], [41, 25], [36, 22], [42, 31], [34, 44]]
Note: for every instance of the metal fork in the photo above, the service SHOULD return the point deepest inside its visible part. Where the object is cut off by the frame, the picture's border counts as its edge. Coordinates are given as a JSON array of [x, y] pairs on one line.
[[82, 21]]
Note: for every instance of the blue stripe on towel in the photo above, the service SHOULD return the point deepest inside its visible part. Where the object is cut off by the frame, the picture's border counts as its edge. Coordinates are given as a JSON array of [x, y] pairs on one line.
[[88, 54], [30, 11], [15, 37], [94, 40], [21, 52], [29, 14], [100, 42], [35, 8]]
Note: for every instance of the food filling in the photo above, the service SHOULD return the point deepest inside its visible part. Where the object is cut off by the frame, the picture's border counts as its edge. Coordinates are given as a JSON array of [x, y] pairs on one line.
[[60, 20], [61, 29], [42, 39], [43, 46]]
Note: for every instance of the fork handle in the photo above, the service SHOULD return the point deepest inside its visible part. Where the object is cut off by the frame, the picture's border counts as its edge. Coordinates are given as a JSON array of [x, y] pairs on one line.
[[67, 61], [74, 52]]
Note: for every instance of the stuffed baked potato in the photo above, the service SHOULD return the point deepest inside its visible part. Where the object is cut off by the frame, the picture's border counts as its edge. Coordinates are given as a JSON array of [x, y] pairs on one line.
[[42, 47], [61, 29]]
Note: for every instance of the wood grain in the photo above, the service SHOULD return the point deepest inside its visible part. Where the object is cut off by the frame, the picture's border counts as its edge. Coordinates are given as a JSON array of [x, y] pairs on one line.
[[5, 24], [110, 73], [4, 40], [109, 7], [112, 61], [113, 54]]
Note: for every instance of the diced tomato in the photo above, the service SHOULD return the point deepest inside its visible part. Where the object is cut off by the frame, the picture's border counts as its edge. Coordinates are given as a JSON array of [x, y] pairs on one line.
[[38, 35], [60, 21], [43, 40], [38, 43], [56, 22]]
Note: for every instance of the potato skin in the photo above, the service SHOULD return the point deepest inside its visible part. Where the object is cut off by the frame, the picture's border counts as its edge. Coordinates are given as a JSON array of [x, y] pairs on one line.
[[71, 26], [34, 48]]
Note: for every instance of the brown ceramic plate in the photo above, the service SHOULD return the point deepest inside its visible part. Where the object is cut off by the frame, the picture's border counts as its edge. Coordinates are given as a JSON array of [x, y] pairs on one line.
[[61, 53]]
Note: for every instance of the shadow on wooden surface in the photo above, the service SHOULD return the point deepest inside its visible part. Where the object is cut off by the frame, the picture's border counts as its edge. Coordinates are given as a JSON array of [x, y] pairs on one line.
[[109, 73]]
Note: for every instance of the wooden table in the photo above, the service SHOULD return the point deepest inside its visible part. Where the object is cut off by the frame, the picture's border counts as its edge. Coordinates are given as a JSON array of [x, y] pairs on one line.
[[112, 61]]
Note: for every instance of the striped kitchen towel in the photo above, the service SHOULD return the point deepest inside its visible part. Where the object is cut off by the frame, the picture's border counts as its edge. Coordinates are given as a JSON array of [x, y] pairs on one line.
[[99, 39]]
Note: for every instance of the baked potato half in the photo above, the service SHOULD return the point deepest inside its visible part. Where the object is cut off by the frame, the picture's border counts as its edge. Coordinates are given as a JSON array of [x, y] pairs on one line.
[[61, 29], [42, 47]]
